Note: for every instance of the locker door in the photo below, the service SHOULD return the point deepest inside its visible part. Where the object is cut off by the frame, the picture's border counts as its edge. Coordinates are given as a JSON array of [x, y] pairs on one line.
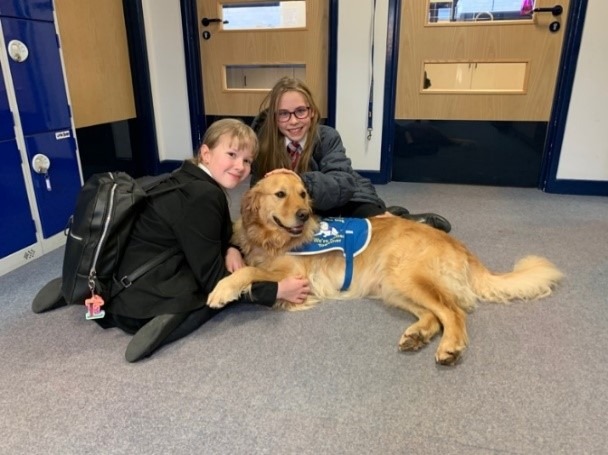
[[37, 75], [44, 118], [41, 10], [17, 229], [7, 130], [57, 189]]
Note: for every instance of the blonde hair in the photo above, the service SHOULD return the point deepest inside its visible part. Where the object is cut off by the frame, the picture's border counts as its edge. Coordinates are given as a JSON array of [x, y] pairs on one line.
[[272, 142], [236, 129]]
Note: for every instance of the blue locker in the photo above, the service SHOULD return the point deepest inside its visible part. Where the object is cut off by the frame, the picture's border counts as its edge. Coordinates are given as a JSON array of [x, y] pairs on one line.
[[44, 115], [7, 130], [38, 85], [40, 10], [55, 192], [17, 229], [38, 80]]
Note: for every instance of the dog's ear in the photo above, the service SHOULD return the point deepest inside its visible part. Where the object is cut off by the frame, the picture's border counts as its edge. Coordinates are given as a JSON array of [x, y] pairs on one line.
[[250, 204]]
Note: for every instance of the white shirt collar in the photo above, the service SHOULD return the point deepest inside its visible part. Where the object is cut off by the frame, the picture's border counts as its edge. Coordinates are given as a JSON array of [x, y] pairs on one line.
[[302, 142], [204, 168]]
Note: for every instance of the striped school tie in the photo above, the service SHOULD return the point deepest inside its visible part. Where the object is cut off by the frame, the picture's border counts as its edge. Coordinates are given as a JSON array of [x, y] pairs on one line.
[[294, 149]]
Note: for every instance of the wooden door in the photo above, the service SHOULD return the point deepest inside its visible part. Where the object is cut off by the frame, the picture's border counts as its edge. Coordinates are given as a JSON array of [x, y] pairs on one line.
[[95, 50], [493, 70], [239, 66]]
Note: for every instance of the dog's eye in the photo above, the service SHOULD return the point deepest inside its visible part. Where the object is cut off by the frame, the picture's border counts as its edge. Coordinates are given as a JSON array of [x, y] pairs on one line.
[[280, 194], [303, 194]]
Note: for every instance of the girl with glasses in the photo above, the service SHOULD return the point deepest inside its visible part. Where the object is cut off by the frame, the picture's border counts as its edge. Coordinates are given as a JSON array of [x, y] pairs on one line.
[[291, 137]]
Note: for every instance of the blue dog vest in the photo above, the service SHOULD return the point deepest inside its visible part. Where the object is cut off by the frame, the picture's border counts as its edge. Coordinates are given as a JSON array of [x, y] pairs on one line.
[[349, 235]]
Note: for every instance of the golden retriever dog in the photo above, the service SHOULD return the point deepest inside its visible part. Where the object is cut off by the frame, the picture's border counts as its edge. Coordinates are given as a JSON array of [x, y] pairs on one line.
[[406, 264]]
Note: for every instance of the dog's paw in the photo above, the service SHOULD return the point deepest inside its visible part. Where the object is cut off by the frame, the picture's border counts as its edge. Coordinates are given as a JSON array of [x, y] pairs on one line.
[[289, 306], [213, 301], [411, 342], [449, 353], [222, 295], [419, 334]]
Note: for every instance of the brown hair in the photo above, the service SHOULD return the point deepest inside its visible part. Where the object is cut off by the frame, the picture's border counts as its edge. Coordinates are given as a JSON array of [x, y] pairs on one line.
[[272, 142], [236, 129]]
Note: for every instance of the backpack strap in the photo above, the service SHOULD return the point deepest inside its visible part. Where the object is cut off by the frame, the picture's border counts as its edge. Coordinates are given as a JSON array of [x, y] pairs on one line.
[[128, 280], [148, 184]]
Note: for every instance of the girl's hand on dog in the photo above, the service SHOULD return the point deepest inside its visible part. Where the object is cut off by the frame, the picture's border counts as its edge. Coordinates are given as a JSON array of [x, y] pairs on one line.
[[293, 289], [234, 260]]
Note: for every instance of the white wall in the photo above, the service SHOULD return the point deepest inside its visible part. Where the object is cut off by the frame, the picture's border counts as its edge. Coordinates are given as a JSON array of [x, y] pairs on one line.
[[355, 27], [167, 62], [584, 154]]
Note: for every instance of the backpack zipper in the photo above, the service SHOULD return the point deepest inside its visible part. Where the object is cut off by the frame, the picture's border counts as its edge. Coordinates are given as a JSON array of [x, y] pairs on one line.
[[93, 272]]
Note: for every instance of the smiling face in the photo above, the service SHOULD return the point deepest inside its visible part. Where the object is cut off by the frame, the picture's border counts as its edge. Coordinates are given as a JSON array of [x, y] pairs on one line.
[[285, 202], [294, 129], [277, 213], [228, 161]]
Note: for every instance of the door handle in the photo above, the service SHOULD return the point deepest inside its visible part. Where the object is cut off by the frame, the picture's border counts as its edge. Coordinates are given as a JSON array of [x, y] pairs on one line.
[[556, 10], [206, 21]]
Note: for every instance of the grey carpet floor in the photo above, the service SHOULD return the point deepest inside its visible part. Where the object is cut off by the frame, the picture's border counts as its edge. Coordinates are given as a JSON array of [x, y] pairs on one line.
[[534, 379]]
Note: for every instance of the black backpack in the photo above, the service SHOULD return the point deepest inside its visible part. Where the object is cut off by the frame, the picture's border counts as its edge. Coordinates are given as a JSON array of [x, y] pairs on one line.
[[98, 231]]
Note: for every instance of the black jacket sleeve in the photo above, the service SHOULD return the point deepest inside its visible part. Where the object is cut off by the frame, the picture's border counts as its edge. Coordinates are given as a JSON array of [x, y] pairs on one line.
[[332, 184], [262, 293]]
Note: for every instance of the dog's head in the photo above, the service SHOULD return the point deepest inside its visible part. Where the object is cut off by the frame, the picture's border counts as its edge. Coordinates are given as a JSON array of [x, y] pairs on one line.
[[277, 212]]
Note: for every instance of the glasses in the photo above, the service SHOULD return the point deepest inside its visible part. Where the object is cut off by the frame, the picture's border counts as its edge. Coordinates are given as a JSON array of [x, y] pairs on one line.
[[300, 113]]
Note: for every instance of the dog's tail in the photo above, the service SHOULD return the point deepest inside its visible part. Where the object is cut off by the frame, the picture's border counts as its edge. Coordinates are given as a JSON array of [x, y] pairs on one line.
[[532, 277]]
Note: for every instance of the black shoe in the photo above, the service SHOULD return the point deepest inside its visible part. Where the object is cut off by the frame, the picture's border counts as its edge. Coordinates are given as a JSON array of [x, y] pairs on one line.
[[432, 219], [49, 297], [397, 211], [151, 336]]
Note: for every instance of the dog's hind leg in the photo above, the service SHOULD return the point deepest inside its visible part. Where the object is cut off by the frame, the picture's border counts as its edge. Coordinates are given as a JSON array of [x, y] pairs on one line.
[[419, 333], [442, 306]]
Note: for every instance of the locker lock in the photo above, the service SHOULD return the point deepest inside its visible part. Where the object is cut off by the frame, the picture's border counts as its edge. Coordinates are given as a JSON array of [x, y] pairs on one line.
[[41, 165], [17, 50]]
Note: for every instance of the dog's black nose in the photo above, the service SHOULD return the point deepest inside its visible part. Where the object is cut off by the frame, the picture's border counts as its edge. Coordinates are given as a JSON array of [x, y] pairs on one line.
[[302, 215]]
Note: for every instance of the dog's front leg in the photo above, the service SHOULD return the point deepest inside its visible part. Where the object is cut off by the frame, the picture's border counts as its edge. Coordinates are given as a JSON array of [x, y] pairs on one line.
[[231, 287]]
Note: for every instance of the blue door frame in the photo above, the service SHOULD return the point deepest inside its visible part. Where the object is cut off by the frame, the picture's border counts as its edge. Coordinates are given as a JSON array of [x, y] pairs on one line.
[[559, 115]]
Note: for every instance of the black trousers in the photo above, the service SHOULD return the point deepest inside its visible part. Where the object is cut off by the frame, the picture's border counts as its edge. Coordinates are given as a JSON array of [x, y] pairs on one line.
[[192, 320]]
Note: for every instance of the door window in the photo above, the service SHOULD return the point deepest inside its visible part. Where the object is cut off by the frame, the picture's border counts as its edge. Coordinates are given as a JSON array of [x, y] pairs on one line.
[[254, 77], [264, 15], [479, 10]]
